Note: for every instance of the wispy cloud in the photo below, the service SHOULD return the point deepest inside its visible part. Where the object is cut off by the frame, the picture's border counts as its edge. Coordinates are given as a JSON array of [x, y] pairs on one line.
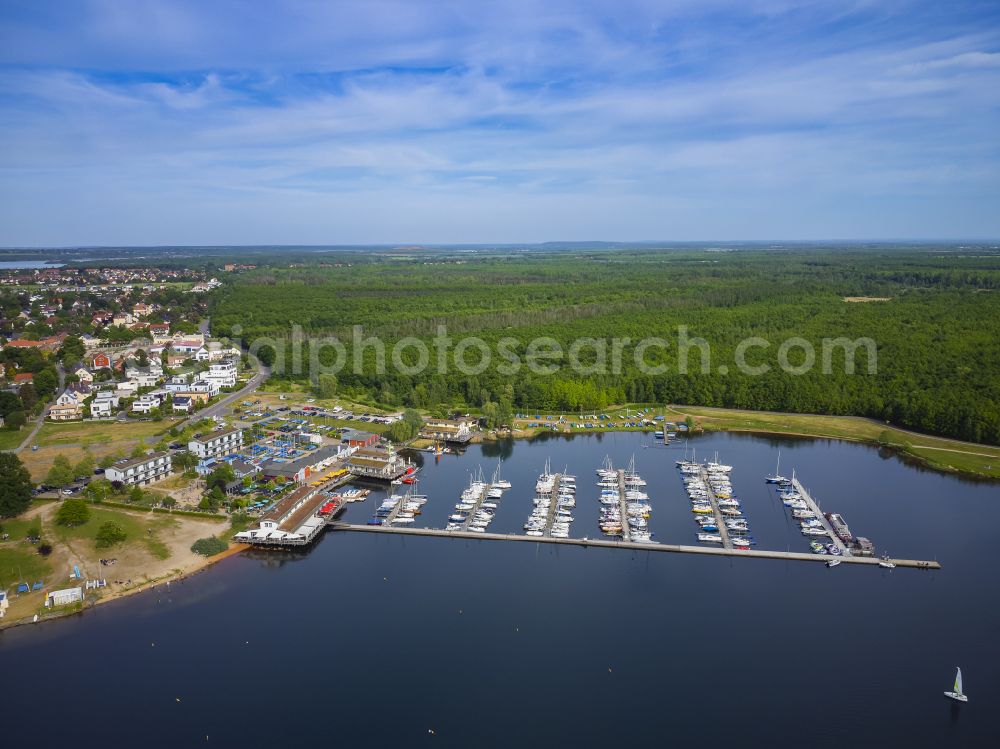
[[153, 122]]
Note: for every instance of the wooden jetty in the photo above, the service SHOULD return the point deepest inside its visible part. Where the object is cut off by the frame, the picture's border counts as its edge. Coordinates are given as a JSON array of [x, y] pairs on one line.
[[631, 545]]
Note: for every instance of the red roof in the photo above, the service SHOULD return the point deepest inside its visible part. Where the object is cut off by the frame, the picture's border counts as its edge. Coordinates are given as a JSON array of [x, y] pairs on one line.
[[24, 377]]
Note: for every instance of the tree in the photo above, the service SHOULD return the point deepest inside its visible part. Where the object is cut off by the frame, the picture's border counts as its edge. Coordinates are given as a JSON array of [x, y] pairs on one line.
[[689, 422], [15, 420], [184, 460], [327, 386], [72, 349], [168, 502], [73, 512], [9, 402], [28, 395], [61, 472], [15, 486], [107, 461], [46, 382], [99, 490], [109, 534], [142, 358], [222, 475], [400, 431], [135, 495], [84, 466], [209, 546], [212, 500]]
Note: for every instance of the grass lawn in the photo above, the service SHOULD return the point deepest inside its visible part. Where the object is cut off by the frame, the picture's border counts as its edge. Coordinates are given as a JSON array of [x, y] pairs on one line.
[[20, 562], [89, 433], [17, 528], [10, 439], [133, 525]]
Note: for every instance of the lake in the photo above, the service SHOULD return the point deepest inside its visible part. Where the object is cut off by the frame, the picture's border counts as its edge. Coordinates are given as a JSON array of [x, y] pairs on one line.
[[381, 640], [27, 264]]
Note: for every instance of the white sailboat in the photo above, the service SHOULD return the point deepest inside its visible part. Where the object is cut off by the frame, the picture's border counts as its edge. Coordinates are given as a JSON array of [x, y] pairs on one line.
[[957, 694], [776, 478]]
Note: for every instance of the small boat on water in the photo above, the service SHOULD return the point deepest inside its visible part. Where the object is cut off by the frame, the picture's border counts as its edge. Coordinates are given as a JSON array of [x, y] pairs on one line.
[[887, 563], [833, 563], [957, 694], [776, 478]]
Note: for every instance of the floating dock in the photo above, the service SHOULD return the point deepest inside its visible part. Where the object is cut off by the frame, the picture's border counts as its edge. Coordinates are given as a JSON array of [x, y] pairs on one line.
[[623, 506], [631, 545], [814, 508], [720, 522]]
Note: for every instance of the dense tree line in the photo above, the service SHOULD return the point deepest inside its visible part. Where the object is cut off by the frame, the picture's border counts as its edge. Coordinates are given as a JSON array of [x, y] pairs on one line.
[[938, 336]]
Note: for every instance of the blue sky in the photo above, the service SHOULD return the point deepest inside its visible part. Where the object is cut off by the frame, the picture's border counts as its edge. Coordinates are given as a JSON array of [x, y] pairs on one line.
[[231, 122]]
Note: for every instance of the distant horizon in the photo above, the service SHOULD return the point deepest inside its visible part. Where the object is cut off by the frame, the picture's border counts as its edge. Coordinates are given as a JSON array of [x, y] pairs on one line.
[[560, 243]]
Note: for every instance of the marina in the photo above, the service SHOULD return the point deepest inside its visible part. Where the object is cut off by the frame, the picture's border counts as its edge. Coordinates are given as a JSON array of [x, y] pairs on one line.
[[624, 515]]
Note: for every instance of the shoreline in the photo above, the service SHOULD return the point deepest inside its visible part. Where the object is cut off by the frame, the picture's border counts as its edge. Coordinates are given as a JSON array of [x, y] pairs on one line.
[[904, 450], [118, 595]]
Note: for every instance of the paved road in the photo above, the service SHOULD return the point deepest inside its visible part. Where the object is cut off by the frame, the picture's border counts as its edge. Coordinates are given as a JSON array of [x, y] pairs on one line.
[[217, 408], [30, 439]]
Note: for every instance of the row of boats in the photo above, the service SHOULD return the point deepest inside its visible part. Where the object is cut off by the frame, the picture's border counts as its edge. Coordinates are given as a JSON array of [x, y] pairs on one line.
[[476, 507], [552, 511], [625, 508], [398, 509], [705, 482]]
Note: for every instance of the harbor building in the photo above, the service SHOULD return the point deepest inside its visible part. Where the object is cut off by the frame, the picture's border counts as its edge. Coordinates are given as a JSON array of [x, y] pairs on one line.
[[218, 443], [447, 430], [142, 470], [376, 463]]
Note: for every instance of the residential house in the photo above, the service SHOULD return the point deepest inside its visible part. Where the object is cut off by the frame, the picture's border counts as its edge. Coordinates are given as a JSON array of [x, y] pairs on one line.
[[68, 406], [221, 373], [102, 361], [182, 404], [84, 376], [127, 389]]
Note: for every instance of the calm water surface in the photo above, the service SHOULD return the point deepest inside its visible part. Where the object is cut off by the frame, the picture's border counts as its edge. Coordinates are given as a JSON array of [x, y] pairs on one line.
[[379, 640]]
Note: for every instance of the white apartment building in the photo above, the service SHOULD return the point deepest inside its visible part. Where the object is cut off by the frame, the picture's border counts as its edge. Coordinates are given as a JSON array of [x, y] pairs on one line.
[[140, 471], [218, 443], [221, 373]]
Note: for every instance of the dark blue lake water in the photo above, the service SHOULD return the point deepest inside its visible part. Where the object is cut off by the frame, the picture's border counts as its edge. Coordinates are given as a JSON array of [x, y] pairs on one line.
[[379, 640]]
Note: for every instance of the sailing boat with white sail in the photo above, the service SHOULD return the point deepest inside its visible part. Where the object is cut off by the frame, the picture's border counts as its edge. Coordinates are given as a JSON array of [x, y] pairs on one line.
[[777, 478], [957, 694]]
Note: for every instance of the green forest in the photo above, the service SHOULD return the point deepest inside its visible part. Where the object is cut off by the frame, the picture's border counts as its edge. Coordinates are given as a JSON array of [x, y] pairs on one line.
[[936, 323]]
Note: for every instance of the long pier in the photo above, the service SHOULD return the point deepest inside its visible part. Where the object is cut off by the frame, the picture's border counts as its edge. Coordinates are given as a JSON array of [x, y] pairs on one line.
[[623, 506], [477, 505], [553, 503], [814, 508], [631, 545], [720, 522]]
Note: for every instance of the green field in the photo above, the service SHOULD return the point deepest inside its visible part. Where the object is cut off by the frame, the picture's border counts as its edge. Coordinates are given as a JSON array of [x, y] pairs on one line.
[[20, 562], [91, 433], [10, 440], [134, 526]]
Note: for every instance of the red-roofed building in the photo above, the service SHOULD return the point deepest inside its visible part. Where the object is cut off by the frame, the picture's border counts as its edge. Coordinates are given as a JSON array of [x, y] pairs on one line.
[[23, 378], [102, 361]]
